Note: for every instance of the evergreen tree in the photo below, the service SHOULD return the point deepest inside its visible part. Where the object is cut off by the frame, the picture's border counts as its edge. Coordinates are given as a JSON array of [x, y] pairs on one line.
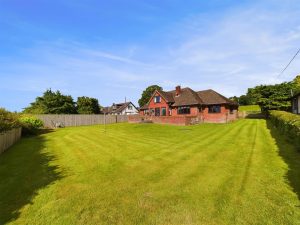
[[52, 103], [86, 105]]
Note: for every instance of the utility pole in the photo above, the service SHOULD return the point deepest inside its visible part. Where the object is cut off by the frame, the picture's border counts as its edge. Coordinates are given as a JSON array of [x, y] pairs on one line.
[[104, 122]]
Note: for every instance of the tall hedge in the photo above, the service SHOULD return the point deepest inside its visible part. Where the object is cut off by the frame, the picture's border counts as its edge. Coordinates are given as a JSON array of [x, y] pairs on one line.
[[8, 120], [288, 124]]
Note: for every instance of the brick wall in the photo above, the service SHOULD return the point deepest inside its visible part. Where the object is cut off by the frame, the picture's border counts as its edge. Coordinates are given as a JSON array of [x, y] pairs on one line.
[[196, 116], [176, 120], [223, 117], [194, 111], [162, 104]]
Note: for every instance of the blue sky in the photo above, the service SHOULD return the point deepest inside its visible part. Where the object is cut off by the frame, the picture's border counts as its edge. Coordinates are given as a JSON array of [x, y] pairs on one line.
[[114, 49]]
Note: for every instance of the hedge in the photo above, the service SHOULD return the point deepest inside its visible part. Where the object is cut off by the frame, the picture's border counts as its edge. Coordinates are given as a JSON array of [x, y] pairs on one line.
[[8, 120], [30, 124], [288, 124]]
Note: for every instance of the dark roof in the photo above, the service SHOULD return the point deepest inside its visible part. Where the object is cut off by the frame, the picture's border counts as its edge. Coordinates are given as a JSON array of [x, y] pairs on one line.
[[106, 110], [190, 97], [210, 97], [117, 108], [168, 96], [187, 97]]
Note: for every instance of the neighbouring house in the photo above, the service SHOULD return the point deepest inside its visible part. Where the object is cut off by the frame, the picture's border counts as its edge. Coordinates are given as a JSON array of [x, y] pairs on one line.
[[296, 103], [126, 108], [185, 106]]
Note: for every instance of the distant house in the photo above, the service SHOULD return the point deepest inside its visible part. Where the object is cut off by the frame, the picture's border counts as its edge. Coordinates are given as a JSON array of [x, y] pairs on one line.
[[186, 106], [296, 103], [126, 108]]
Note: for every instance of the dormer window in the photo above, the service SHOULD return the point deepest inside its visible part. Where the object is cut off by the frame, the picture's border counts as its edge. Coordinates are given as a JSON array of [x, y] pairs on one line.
[[157, 99]]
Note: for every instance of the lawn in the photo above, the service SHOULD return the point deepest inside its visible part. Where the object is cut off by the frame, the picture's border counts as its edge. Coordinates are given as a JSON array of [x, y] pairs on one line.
[[252, 108], [237, 173]]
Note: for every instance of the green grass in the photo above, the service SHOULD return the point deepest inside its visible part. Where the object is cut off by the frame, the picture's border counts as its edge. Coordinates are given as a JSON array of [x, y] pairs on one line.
[[237, 173], [249, 108]]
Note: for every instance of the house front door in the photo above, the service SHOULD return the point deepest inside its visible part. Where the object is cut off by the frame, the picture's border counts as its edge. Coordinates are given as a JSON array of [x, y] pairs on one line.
[[157, 111]]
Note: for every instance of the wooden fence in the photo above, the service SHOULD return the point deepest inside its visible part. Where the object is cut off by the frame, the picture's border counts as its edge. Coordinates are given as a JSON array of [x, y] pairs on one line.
[[70, 120], [8, 138]]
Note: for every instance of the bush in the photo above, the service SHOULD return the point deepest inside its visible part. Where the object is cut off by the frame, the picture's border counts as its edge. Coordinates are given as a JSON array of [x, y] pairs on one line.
[[288, 124], [8, 120], [30, 125]]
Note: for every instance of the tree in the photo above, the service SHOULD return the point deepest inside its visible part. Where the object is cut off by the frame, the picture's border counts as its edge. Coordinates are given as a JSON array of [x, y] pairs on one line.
[[273, 97], [147, 93], [244, 100], [52, 103], [296, 82], [86, 105], [234, 99]]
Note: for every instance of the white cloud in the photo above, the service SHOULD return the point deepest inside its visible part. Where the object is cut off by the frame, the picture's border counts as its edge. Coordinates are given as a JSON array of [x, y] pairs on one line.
[[241, 48]]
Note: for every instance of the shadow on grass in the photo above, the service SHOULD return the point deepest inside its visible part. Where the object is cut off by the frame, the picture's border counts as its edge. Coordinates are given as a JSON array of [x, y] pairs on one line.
[[291, 157], [258, 115], [24, 170]]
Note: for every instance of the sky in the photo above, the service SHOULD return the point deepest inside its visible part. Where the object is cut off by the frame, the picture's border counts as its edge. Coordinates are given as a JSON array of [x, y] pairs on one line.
[[112, 50]]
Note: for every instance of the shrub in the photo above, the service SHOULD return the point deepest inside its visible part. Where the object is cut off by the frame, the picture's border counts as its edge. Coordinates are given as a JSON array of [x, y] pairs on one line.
[[8, 120], [30, 124], [288, 124]]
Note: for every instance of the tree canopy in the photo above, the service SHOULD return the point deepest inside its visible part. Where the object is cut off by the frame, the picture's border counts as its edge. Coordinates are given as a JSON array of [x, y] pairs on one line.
[[147, 93], [297, 84], [270, 97], [52, 103], [273, 97], [87, 105]]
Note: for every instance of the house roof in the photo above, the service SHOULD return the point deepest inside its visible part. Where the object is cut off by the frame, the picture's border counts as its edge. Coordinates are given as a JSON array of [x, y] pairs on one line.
[[187, 97], [117, 108], [190, 97], [210, 97], [168, 96]]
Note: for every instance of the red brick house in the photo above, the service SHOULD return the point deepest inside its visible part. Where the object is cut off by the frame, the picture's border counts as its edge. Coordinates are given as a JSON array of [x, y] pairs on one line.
[[185, 106]]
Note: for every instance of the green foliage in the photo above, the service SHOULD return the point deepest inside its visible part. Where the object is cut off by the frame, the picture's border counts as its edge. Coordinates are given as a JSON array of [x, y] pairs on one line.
[[86, 105], [147, 93], [270, 97], [52, 103], [8, 120], [245, 100], [296, 82], [252, 96], [235, 99], [288, 124], [275, 97], [30, 124]]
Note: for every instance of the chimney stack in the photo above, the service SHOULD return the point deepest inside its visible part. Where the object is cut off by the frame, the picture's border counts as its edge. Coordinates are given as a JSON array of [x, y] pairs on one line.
[[178, 90]]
